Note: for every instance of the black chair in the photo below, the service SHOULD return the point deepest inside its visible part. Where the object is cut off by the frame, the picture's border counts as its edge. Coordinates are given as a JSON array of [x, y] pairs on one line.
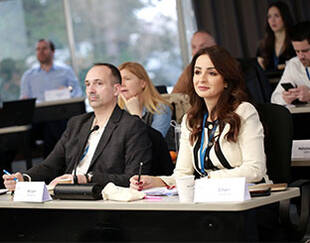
[[278, 126], [161, 160], [256, 82], [15, 129], [162, 89]]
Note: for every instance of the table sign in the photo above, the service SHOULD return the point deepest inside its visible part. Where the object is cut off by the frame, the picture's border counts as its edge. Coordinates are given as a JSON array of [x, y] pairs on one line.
[[301, 149], [31, 192], [221, 190], [57, 94]]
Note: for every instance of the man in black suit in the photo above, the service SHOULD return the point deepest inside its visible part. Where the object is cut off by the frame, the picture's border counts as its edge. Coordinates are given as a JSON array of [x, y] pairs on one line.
[[104, 146]]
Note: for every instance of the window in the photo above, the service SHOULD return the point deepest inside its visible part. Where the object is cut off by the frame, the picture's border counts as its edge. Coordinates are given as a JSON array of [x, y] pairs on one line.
[[115, 31], [22, 24]]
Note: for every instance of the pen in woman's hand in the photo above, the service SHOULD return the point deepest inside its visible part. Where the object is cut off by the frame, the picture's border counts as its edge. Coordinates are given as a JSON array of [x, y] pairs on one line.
[[140, 172], [8, 173]]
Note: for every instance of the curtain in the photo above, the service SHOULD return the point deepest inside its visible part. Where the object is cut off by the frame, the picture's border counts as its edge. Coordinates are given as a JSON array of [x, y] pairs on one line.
[[238, 25]]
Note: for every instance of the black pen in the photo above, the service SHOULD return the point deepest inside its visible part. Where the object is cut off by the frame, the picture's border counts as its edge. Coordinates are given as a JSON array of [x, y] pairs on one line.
[[140, 171]]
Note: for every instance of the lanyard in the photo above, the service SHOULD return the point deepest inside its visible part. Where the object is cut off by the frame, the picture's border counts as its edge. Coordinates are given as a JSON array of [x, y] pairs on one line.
[[85, 152], [203, 151], [308, 74]]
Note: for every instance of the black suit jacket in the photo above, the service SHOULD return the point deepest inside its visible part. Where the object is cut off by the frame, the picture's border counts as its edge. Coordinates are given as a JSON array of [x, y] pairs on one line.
[[123, 145]]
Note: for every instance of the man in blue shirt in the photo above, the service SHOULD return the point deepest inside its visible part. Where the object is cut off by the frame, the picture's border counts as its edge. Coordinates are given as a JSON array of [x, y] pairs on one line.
[[48, 76]]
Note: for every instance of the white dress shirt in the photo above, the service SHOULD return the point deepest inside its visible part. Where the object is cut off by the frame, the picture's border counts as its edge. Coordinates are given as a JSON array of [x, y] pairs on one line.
[[93, 141], [294, 73]]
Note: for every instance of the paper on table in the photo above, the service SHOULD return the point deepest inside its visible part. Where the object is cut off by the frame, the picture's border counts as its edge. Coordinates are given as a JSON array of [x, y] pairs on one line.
[[3, 191], [57, 94], [160, 191]]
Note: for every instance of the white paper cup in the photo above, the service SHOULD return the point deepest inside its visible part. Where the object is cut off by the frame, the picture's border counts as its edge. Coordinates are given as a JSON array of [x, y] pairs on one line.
[[185, 186]]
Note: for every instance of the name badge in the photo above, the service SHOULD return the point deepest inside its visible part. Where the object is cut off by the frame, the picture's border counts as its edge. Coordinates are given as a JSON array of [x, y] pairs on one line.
[[301, 149], [31, 192], [57, 94], [221, 190]]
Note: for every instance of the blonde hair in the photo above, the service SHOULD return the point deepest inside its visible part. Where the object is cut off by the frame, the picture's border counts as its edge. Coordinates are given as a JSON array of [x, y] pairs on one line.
[[150, 96]]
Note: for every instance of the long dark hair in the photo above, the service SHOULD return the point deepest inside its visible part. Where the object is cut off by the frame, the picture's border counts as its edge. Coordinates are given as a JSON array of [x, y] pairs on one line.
[[267, 44], [228, 101]]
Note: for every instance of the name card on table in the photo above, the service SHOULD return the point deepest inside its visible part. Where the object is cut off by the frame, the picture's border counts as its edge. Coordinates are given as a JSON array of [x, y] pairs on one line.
[[221, 190], [301, 149], [57, 94], [31, 192]]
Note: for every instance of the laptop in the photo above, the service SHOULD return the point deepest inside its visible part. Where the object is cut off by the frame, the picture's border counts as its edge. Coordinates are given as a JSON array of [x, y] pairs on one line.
[[17, 112]]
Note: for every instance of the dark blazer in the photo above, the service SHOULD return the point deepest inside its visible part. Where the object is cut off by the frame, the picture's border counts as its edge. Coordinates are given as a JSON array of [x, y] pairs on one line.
[[123, 145]]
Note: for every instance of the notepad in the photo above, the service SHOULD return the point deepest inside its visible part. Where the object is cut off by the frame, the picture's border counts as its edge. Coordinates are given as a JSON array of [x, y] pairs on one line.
[[160, 191]]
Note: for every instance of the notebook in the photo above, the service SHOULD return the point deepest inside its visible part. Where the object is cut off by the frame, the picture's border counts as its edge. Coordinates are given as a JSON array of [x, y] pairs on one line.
[[17, 112]]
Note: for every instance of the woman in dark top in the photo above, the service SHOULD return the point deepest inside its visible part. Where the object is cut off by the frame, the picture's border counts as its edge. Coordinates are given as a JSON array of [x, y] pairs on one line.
[[276, 48]]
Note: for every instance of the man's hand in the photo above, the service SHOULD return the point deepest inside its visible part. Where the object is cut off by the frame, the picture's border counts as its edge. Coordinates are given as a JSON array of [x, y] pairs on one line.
[[10, 180], [289, 96], [303, 93], [67, 178]]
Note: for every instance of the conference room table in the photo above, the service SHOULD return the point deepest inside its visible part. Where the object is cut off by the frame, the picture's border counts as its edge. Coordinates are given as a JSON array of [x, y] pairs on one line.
[[162, 219]]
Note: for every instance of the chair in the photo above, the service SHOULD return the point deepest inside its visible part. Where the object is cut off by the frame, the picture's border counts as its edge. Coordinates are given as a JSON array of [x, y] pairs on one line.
[[162, 89], [180, 105], [256, 82], [161, 164], [15, 127], [278, 126]]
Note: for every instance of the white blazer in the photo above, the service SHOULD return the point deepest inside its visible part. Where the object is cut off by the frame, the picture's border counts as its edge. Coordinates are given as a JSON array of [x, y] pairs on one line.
[[246, 157]]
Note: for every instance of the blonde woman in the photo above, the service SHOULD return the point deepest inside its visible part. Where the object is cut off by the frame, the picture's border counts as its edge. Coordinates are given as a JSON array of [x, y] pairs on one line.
[[140, 97]]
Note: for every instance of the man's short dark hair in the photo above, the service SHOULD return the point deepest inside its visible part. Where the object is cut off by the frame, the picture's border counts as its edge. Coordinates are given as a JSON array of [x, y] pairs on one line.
[[52, 46], [114, 70], [301, 32]]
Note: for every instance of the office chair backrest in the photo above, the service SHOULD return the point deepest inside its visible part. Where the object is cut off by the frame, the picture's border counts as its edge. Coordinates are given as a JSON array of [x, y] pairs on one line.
[[256, 82], [162, 89], [161, 160], [180, 104], [278, 127]]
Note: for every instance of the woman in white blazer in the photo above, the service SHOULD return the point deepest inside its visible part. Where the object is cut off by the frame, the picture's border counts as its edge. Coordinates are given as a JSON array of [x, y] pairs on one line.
[[221, 134]]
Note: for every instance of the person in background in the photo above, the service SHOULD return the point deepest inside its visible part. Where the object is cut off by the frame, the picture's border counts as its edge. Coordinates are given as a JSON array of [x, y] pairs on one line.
[[201, 39], [276, 48], [297, 70], [48, 76], [221, 135], [139, 97], [103, 146]]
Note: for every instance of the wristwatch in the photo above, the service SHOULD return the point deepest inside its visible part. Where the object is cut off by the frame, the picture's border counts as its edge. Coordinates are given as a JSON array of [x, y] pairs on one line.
[[89, 177]]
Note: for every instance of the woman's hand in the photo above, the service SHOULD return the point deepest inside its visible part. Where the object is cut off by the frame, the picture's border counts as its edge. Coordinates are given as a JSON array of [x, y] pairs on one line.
[[132, 105], [146, 182]]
